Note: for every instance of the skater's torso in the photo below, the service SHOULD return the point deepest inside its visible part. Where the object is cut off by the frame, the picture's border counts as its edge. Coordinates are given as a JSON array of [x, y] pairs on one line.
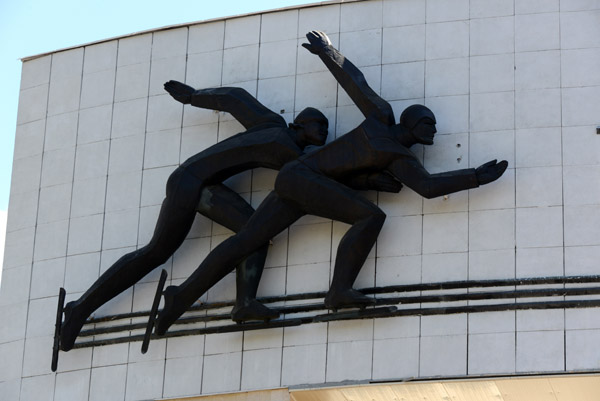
[[369, 147], [270, 147]]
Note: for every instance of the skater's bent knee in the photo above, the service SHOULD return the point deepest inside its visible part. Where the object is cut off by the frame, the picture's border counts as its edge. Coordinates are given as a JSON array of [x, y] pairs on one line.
[[377, 218]]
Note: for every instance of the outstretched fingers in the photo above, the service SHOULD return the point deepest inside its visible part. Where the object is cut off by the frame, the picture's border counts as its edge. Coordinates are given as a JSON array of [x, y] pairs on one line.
[[490, 163], [501, 167], [318, 40], [180, 91], [490, 171], [320, 36]]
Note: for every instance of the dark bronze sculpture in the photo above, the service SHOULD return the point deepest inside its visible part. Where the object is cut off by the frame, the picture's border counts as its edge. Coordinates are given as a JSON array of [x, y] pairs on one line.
[[196, 187], [314, 184]]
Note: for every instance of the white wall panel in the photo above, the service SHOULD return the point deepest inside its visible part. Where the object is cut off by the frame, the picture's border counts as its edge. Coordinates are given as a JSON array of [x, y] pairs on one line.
[[97, 137]]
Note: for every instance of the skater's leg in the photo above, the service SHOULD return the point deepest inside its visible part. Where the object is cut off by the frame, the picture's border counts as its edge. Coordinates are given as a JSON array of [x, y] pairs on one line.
[[271, 217], [351, 255], [325, 197], [226, 207], [174, 222], [367, 220]]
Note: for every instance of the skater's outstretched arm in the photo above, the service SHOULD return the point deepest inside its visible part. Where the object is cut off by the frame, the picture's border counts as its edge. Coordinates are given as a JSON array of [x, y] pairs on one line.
[[236, 101], [350, 78], [410, 172]]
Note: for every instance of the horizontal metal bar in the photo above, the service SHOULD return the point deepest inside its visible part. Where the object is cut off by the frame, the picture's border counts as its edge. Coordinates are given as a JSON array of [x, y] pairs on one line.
[[207, 330], [451, 285], [380, 290], [547, 292], [570, 304]]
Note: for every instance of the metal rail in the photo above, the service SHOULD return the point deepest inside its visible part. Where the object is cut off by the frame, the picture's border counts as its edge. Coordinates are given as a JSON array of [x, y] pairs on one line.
[[387, 299]]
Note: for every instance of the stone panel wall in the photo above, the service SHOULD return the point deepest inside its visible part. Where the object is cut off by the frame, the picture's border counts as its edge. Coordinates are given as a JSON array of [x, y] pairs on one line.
[[97, 137]]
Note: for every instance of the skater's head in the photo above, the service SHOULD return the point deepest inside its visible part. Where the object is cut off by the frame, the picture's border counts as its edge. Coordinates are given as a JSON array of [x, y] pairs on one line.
[[311, 127], [420, 123]]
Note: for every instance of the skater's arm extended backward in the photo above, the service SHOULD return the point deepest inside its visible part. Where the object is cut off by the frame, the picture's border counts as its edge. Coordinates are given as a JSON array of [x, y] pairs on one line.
[[236, 101], [350, 78]]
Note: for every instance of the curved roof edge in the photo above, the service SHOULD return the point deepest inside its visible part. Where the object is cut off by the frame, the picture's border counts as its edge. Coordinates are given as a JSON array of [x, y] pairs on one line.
[[165, 28]]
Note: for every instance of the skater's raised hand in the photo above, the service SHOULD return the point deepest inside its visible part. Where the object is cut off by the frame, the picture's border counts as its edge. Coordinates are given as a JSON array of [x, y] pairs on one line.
[[318, 41]]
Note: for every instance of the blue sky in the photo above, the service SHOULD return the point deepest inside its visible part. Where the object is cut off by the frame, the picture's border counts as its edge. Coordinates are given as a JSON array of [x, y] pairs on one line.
[[30, 27]]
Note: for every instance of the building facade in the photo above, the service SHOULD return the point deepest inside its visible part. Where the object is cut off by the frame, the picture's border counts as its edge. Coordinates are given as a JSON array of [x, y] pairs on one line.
[[97, 136]]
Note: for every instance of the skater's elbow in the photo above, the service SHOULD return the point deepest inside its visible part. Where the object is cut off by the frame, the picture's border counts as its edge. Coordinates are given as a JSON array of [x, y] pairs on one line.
[[426, 190]]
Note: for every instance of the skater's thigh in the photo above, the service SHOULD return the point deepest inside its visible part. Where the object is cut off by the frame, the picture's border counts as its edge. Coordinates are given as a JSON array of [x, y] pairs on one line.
[[325, 197], [224, 206]]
